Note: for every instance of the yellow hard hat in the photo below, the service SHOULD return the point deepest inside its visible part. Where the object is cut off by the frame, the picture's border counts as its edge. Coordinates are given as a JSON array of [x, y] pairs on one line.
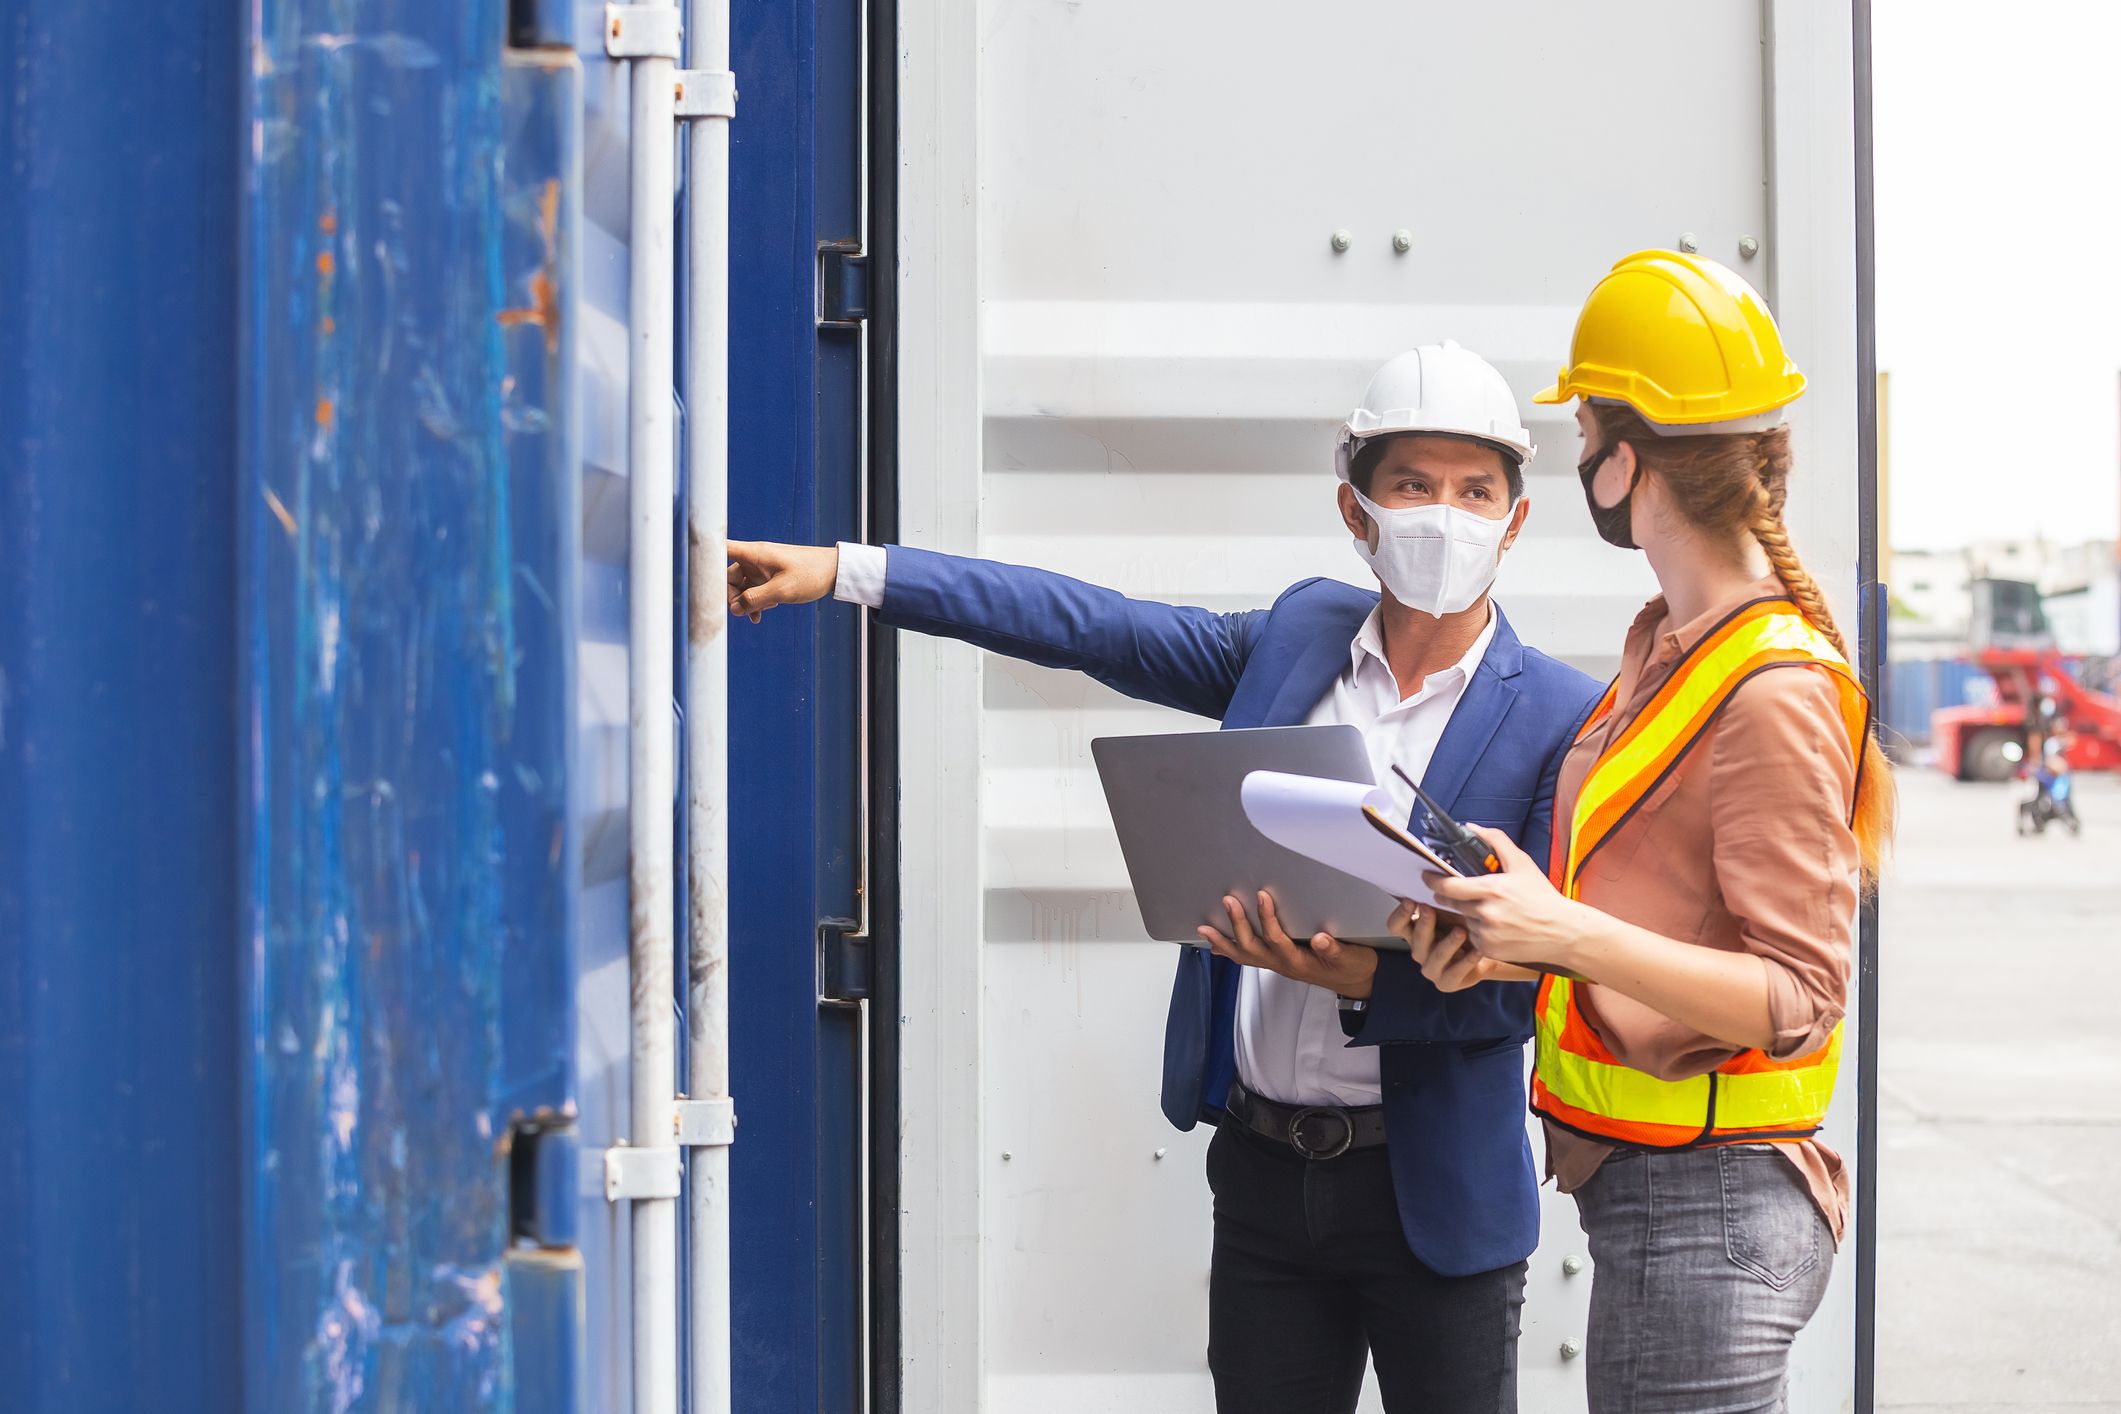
[[1681, 340]]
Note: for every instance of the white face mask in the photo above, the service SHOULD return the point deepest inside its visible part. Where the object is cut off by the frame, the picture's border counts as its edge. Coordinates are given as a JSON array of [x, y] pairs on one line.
[[1437, 559]]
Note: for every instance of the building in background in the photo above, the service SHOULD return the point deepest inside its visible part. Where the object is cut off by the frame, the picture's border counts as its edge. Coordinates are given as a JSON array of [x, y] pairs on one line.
[[1932, 600]]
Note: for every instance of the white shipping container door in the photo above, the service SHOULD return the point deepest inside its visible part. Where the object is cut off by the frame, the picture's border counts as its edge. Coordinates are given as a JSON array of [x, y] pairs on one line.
[[1130, 208]]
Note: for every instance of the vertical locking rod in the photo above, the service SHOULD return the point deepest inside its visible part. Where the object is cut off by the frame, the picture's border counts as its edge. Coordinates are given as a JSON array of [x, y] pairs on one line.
[[646, 35], [707, 100]]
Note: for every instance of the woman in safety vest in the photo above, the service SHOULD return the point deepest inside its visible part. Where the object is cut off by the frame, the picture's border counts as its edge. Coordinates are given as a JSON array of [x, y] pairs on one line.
[[1721, 809]]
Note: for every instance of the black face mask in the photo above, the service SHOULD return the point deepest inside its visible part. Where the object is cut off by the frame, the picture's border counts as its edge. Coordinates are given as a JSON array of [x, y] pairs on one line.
[[1616, 524]]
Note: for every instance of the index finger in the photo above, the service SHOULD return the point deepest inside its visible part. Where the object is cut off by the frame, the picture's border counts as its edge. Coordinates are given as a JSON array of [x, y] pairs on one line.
[[1412, 922], [1452, 889], [1270, 924]]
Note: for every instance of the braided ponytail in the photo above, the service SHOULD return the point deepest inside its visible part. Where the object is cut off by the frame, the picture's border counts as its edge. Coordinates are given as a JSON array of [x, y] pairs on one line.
[[1769, 490], [1740, 481]]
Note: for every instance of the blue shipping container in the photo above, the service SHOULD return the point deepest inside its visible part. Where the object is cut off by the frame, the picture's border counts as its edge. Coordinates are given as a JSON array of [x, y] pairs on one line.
[[312, 789]]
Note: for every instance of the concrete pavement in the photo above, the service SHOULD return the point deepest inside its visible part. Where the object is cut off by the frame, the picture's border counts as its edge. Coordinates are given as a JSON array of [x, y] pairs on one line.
[[2000, 1175]]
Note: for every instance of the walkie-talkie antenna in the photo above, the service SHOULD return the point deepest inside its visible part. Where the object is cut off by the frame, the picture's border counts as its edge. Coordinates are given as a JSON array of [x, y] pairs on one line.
[[1454, 841]]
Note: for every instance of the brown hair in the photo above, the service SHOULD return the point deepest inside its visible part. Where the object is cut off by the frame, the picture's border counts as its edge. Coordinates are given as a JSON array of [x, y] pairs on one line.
[[1726, 482]]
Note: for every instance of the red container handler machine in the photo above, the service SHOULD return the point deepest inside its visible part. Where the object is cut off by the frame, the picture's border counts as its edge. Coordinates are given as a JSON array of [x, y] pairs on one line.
[[2012, 645]]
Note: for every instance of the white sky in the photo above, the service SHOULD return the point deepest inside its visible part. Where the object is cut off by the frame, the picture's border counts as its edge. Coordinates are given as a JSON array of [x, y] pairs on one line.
[[1998, 153]]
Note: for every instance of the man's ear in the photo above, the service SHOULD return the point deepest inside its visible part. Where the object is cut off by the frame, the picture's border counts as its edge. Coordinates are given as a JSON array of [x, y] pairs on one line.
[[1353, 517], [1517, 520]]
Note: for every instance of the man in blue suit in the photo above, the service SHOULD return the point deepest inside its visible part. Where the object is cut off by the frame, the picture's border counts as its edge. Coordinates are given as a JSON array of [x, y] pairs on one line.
[[1374, 1189]]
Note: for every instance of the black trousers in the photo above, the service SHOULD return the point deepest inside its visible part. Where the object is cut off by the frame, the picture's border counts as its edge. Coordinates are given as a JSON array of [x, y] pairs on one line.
[[1312, 1273]]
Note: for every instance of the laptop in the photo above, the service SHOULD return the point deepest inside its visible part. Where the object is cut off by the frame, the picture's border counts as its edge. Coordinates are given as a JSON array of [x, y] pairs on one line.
[[1175, 805]]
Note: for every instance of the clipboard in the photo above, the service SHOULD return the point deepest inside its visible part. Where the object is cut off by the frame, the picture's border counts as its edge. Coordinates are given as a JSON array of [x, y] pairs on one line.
[[1313, 815]]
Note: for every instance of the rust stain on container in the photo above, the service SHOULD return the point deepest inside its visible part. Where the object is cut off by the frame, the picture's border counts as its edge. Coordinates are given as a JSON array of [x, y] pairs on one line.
[[543, 311], [324, 412], [324, 262], [544, 307]]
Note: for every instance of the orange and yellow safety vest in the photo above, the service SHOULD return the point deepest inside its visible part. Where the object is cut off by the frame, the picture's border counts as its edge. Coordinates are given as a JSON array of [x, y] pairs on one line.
[[1576, 1082]]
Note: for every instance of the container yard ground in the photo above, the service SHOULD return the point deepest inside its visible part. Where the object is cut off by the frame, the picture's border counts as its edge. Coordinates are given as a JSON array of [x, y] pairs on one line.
[[2000, 1183]]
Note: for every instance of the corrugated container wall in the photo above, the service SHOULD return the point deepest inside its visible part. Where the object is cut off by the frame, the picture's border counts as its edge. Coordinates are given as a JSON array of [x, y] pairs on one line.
[[1166, 341]]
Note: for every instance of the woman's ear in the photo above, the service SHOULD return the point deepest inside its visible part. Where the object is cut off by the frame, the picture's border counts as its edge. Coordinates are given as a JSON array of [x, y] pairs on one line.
[[1617, 475], [1624, 458]]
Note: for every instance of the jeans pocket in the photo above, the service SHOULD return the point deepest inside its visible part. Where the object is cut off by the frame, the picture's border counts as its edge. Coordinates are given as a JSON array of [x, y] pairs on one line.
[[1770, 1226]]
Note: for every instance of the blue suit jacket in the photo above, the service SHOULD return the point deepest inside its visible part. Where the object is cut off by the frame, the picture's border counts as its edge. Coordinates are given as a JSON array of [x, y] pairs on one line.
[[1452, 1065]]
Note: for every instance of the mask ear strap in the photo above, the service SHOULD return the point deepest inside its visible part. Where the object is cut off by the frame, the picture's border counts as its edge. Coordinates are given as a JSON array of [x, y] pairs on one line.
[[1369, 509]]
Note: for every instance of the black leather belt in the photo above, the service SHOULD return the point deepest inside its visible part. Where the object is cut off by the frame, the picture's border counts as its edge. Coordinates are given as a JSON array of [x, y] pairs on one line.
[[1314, 1131]]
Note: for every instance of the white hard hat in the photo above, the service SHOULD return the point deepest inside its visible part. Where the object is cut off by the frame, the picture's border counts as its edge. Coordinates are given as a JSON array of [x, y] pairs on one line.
[[1440, 389]]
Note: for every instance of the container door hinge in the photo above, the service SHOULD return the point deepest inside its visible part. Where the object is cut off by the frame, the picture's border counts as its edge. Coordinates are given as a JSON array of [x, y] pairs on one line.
[[842, 285], [844, 969], [643, 31], [706, 1124], [631, 1173], [704, 93]]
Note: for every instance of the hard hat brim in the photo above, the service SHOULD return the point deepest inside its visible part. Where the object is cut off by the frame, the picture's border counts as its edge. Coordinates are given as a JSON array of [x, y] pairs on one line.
[[1350, 442], [1556, 394]]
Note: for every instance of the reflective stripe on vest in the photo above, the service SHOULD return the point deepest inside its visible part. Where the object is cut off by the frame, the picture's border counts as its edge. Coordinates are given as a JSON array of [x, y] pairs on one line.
[[1576, 1081]]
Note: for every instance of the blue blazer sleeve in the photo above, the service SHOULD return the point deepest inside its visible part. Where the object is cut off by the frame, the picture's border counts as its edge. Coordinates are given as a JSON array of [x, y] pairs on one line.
[[1178, 657], [1406, 1007]]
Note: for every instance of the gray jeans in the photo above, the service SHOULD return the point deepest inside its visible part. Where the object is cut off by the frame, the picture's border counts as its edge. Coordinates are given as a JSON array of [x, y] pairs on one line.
[[1708, 1263]]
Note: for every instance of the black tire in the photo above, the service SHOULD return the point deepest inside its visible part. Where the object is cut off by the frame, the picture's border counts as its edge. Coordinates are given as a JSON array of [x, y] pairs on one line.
[[1981, 758]]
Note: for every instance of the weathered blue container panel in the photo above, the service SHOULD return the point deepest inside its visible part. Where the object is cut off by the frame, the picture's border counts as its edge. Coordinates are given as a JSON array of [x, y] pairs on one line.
[[409, 523]]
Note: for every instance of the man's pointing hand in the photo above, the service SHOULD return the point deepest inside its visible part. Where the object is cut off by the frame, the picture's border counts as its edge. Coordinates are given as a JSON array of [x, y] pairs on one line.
[[763, 575]]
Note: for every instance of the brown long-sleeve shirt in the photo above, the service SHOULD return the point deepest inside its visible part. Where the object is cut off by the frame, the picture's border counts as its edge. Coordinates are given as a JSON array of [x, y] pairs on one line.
[[1745, 847]]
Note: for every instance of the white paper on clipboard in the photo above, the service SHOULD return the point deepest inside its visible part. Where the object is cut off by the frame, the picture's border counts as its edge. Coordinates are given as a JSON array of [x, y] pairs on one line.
[[1324, 820]]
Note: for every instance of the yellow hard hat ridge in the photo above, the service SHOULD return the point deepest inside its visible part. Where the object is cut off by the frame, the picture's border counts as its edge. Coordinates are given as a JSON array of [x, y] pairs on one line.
[[1682, 340]]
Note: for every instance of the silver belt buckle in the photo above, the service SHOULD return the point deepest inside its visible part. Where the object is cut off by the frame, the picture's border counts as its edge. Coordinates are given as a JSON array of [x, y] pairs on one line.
[[1296, 1132]]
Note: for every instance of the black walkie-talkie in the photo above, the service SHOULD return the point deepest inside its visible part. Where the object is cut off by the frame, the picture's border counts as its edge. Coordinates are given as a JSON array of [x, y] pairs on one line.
[[1467, 852]]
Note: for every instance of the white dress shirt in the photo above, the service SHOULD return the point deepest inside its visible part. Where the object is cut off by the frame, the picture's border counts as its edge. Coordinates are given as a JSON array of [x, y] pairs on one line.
[[1289, 1043]]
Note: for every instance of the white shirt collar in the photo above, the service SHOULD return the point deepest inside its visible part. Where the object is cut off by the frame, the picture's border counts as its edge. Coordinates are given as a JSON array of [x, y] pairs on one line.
[[1370, 644]]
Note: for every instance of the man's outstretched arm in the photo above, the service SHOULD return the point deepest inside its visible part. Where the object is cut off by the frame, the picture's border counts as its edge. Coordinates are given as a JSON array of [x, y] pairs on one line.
[[1177, 656]]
